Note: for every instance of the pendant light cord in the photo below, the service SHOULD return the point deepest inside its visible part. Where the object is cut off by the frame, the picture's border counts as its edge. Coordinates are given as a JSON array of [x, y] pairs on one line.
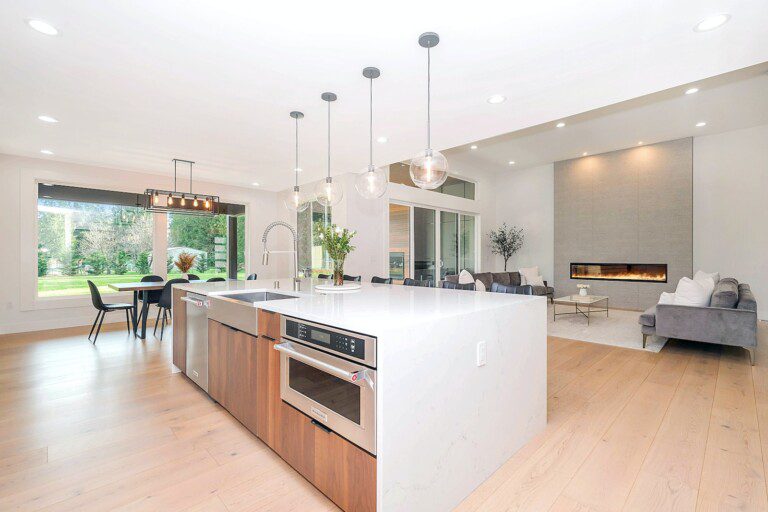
[[329, 139], [190, 177], [429, 83], [174, 174], [296, 170], [370, 128]]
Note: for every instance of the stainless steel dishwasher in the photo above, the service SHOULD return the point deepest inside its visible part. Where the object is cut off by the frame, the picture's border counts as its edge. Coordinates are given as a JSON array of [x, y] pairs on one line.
[[197, 339]]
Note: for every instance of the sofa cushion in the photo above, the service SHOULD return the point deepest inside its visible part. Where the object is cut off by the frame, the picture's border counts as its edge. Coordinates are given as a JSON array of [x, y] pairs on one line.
[[452, 278], [486, 278], [514, 278], [528, 273], [746, 298], [501, 278], [648, 317], [550, 290], [466, 277], [539, 290], [726, 294], [692, 293]]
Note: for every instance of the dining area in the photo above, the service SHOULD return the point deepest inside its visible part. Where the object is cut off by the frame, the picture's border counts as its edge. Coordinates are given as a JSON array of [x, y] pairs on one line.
[[150, 290]]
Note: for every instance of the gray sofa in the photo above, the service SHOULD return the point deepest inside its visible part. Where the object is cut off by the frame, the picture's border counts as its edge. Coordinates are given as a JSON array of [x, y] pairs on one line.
[[730, 319], [507, 279]]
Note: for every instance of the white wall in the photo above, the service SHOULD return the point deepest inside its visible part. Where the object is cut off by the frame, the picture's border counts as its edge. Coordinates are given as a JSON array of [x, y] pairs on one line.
[[20, 310], [525, 198], [730, 208]]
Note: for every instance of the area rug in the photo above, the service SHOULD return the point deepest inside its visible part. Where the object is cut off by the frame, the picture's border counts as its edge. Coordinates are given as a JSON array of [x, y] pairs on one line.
[[620, 329]]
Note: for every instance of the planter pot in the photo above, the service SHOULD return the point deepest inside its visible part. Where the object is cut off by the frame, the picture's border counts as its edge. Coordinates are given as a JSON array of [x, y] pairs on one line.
[[583, 292]]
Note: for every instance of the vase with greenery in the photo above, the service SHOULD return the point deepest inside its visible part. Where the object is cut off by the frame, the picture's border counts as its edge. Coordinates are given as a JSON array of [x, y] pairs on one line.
[[336, 242], [506, 241], [184, 262]]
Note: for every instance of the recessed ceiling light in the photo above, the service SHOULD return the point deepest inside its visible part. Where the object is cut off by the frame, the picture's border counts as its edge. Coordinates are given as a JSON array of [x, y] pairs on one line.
[[712, 22], [43, 27], [473, 146], [496, 99], [692, 90], [297, 169], [511, 162], [382, 140], [700, 124], [47, 184], [255, 183], [46, 151], [560, 124], [584, 154], [639, 143], [48, 119]]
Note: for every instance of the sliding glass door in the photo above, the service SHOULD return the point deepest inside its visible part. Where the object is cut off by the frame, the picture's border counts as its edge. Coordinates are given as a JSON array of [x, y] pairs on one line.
[[442, 242]]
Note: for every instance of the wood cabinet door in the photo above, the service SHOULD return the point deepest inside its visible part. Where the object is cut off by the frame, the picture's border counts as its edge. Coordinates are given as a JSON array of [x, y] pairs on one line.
[[242, 377], [344, 472], [218, 358], [269, 324], [267, 391], [295, 440], [179, 330]]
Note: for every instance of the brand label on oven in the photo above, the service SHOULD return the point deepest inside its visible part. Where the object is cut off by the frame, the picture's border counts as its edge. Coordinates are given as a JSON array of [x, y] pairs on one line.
[[320, 414]]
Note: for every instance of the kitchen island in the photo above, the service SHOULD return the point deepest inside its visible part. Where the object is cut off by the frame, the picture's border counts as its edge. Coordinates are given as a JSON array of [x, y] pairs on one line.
[[455, 382]]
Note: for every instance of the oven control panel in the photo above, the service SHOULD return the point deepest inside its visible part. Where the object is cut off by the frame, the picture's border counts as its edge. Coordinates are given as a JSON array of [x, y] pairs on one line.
[[329, 339]]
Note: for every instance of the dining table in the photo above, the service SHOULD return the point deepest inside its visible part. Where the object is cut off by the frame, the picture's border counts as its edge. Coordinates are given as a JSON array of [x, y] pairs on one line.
[[136, 288]]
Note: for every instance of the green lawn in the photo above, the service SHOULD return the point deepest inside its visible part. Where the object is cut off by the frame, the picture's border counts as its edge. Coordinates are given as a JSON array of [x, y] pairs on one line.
[[61, 286]]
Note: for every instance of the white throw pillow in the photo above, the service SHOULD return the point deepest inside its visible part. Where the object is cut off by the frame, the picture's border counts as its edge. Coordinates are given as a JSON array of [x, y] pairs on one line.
[[536, 281], [527, 274], [465, 277], [479, 286], [691, 293], [700, 275], [667, 298], [707, 282]]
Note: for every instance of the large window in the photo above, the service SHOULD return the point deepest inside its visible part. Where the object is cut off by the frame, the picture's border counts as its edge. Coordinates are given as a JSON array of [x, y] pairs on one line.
[[107, 237], [442, 242], [78, 241], [313, 260], [210, 239]]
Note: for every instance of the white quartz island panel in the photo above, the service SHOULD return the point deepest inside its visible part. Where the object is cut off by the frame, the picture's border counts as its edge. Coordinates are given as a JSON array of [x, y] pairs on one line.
[[444, 424]]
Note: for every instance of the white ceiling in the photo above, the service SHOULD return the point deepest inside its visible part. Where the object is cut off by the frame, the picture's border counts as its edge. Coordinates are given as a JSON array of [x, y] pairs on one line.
[[727, 102], [137, 83]]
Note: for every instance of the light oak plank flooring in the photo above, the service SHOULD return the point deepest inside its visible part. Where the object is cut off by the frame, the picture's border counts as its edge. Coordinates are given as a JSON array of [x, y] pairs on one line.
[[113, 427]]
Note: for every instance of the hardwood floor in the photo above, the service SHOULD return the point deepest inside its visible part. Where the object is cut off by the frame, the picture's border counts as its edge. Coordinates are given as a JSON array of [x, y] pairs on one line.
[[112, 427]]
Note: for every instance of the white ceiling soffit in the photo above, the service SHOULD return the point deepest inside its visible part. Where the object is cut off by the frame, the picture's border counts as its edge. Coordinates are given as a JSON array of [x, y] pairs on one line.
[[135, 84], [727, 102]]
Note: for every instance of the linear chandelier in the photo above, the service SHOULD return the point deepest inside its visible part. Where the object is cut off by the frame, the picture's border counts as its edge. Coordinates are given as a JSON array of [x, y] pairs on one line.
[[180, 202]]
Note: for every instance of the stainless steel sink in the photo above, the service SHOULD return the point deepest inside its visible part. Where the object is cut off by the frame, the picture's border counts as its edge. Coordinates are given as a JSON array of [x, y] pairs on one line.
[[252, 297], [238, 309]]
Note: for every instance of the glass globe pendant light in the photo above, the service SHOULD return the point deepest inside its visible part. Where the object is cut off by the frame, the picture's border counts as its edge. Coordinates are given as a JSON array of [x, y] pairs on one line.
[[294, 201], [328, 192], [429, 168], [372, 182]]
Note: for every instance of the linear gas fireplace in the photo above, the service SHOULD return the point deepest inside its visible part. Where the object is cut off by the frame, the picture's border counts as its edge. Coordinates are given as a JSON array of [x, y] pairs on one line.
[[639, 272]]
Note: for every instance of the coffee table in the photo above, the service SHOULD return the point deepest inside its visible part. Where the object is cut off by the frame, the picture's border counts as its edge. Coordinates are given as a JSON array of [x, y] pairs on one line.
[[584, 304]]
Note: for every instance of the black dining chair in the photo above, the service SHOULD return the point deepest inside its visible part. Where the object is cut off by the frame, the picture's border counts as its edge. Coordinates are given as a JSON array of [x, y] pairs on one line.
[[323, 276], [216, 280], [457, 286], [193, 277], [165, 303], [152, 296], [425, 283], [103, 309], [381, 280], [355, 279], [251, 277], [507, 288]]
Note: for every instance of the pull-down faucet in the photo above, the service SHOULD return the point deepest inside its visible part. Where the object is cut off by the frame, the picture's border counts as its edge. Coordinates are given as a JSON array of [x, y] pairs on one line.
[[265, 255]]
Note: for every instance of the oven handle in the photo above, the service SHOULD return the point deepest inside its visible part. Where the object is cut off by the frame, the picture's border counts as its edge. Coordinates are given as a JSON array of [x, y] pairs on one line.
[[353, 377]]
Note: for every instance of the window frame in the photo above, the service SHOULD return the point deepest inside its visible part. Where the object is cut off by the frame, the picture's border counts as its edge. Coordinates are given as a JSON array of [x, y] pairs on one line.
[[29, 240]]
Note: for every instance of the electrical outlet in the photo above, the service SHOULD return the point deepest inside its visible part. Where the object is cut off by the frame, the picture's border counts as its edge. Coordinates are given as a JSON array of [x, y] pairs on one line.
[[482, 354]]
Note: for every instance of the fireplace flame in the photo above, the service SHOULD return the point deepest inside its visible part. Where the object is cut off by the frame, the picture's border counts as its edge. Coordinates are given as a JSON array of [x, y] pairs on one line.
[[651, 272]]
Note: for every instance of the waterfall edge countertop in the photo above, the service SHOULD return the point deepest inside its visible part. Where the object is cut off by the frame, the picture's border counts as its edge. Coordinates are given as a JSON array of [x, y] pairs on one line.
[[371, 309]]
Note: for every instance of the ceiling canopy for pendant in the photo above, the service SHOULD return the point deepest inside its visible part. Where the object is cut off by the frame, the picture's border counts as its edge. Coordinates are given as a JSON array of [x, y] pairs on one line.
[[180, 202], [295, 202], [328, 192], [372, 182], [429, 168]]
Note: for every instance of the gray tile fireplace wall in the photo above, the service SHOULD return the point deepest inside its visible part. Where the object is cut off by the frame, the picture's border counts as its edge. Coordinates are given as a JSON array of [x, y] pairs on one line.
[[628, 206]]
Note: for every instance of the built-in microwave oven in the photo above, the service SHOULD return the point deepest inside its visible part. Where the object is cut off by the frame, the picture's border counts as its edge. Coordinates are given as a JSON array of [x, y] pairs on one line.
[[330, 375]]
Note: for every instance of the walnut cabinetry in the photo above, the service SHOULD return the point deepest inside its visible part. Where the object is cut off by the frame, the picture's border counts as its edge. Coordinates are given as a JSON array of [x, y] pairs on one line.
[[338, 468], [232, 371]]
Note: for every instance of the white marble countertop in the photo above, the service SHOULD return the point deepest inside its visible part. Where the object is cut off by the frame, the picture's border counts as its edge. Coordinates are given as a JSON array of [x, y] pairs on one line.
[[374, 309]]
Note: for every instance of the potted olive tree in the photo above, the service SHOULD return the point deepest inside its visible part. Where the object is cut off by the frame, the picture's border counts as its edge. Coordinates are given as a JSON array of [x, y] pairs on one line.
[[336, 242], [506, 241]]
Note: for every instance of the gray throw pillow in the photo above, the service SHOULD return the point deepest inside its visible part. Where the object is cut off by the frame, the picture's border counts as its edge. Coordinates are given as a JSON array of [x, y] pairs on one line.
[[726, 294]]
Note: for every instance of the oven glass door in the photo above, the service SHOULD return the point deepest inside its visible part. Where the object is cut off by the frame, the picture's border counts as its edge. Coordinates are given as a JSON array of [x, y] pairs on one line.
[[336, 394]]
